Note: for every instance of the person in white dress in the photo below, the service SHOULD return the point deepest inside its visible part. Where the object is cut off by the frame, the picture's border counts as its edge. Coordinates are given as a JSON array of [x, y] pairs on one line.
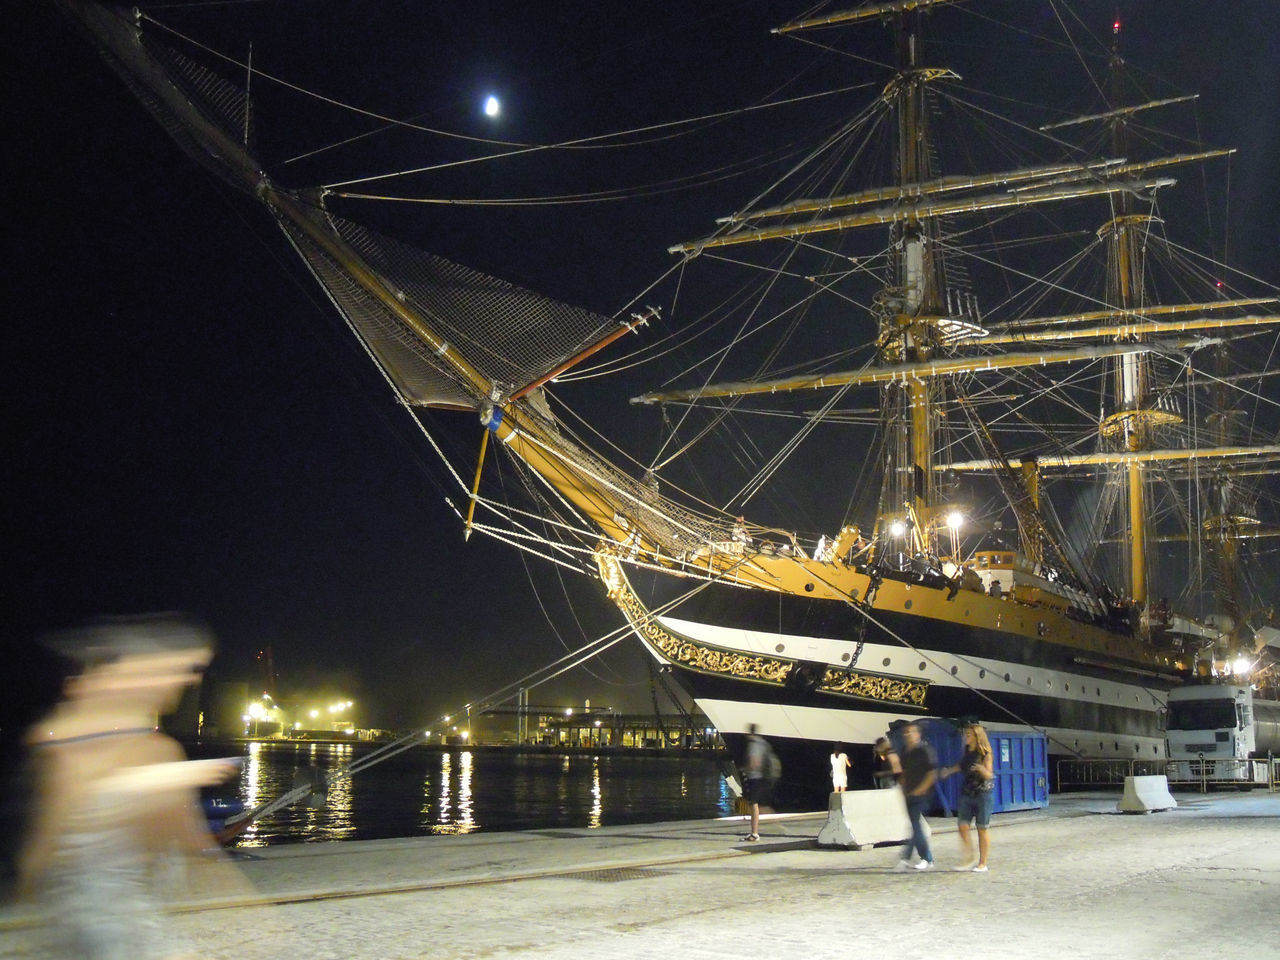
[[839, 768]]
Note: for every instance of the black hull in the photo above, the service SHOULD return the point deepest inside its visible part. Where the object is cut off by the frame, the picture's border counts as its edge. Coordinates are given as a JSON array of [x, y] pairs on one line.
[[1088, 703]]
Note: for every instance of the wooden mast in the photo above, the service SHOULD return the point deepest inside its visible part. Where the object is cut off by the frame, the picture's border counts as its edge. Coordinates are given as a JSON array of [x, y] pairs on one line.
[[1129, 426]]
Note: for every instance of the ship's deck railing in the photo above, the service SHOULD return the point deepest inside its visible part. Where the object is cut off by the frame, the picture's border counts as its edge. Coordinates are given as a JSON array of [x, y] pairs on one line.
[[1088, 772]]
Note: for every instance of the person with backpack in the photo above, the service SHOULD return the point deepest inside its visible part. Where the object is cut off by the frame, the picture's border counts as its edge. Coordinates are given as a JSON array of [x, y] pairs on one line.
[[888, 768], [763, 768]]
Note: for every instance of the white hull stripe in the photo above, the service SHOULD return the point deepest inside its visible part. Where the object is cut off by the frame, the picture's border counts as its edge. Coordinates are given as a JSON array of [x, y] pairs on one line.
[[853, 726]]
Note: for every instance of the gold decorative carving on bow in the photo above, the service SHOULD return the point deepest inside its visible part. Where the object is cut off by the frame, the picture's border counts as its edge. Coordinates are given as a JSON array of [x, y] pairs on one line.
[[872, 687], [746, 666]]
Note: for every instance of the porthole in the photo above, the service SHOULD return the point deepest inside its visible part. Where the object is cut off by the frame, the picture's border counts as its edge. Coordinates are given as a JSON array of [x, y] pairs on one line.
[[1028, 681], [1041, 629], [1066, 687], [923, 665], [1007, 678], [954, 671], [779, 648], [1100, 746], [906, 605], [1048, 684], [982, 674], [966, 613], [844, 657], [1098, 690], [884, 662], [853, 594], [808, 588]]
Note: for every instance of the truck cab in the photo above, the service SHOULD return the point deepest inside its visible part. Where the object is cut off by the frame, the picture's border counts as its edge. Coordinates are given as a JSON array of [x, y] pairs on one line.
[[1210, 722]]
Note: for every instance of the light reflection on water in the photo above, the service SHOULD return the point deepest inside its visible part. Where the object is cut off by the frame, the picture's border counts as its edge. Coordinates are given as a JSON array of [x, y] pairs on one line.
[[251, 790], [431, 791], [451, 816], [466, 822], [597, 805]]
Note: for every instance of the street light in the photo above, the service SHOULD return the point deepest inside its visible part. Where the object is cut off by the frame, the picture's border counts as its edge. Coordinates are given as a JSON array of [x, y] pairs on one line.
[[256, 712]]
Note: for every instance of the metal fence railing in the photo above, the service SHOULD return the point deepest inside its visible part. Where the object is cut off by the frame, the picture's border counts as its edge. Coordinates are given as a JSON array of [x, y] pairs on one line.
[[1096, 772], [1086, 772]]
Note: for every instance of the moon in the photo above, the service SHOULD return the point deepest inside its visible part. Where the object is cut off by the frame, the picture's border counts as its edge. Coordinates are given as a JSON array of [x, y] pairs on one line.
[[492, 106]]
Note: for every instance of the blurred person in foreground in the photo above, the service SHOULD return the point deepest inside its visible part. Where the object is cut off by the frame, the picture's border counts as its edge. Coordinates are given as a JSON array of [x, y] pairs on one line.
[[115, 819], [977, 798], [761, 776], [919, 774]]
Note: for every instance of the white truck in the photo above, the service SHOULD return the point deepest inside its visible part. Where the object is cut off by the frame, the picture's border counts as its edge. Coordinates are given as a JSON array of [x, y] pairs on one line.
[[1221, 733]]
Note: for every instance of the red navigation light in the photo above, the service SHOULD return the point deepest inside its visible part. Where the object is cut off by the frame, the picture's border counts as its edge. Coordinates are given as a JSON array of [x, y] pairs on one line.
[[1219, 283], [1115, 27]]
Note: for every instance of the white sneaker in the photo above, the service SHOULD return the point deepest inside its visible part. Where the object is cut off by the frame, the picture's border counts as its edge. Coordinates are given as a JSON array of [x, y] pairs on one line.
[[980, 869], [965, 867], [924, 865]]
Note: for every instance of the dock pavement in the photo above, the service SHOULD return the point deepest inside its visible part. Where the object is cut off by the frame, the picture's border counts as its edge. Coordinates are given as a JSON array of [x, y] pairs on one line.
[[1076, 880]]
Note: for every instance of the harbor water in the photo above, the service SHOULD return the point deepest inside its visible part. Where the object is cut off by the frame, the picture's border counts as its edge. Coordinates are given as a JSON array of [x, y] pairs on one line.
[[425, 791]]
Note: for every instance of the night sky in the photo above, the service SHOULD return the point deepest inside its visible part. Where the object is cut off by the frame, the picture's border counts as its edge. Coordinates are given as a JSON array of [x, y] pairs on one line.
[[191, 427]]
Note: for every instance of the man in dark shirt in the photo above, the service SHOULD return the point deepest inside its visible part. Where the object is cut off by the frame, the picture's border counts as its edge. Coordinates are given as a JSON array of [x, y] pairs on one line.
[[919, 771]]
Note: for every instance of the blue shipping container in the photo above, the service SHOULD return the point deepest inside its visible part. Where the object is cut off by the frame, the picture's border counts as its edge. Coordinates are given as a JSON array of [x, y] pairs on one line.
[[1021, 765]]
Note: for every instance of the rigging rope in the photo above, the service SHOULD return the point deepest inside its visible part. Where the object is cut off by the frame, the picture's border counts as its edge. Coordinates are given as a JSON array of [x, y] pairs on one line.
[[591, 142]]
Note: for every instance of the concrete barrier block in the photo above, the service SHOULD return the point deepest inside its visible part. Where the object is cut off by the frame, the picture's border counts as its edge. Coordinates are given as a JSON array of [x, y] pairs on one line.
[[860, 818], [1145, 794]]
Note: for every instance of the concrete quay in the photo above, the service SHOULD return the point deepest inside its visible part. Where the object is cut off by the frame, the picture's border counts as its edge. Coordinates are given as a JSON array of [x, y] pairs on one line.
[[1074, 881]]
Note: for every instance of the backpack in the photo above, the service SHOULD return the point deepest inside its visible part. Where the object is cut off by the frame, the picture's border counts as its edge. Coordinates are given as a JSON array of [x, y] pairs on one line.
[[772, 765]]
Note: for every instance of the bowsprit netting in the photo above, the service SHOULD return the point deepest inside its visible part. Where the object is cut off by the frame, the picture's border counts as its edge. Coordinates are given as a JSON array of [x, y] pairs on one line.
[[510, 335]]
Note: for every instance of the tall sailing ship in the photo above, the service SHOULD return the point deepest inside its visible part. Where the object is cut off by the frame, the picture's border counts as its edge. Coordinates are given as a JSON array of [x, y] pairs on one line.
[[1050, 503]]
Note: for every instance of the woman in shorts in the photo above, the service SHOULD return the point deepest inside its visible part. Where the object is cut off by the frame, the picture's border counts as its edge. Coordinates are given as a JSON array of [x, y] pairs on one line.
[[976, 795]]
